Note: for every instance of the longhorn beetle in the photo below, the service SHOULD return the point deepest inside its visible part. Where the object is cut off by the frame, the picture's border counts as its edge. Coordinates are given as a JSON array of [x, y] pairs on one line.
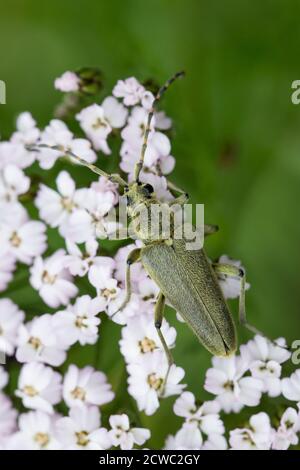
[[186, 279]]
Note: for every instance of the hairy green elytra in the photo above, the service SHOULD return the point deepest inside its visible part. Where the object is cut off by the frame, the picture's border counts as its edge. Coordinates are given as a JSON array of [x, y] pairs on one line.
[[187, 280]]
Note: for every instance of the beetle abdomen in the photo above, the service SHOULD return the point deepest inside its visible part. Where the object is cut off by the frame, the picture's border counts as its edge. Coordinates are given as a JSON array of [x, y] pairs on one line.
[[188, 282]]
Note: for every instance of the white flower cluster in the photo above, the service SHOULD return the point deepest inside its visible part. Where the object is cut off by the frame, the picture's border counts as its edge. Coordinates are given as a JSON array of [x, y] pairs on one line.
[[40, 344], [239, 382]]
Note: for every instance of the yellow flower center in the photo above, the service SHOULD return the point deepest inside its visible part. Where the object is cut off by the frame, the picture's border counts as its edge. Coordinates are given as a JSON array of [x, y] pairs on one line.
[[30, 391], [47, 278], [15, 240], [67, 204], [154, 381], [82, 438], [78, 393], [99, 123], [229, 386], [42, 439], [35, 342], [80, 321], [147, 345], [108, 293]]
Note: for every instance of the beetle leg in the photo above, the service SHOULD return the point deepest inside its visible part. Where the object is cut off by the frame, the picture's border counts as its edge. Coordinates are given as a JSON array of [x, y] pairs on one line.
[[231, 270], [180, 200], [175, 188], [158, 317], [210, 229], [133, 256], [242, 306], [234, 271]]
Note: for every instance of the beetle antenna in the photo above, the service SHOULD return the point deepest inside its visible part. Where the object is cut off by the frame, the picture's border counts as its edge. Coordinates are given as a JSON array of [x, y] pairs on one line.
[[115, 178], [139, 165]]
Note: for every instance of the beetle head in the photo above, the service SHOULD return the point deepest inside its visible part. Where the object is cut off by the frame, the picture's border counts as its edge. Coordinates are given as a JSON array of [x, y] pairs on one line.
[[138, 193]]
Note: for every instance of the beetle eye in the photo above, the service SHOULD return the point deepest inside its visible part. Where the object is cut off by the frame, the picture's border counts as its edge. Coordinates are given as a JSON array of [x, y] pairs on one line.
[[149, 188]]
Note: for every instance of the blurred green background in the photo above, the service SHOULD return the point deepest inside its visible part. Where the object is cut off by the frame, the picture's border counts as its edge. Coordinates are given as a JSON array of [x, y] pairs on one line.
[[237, 139]]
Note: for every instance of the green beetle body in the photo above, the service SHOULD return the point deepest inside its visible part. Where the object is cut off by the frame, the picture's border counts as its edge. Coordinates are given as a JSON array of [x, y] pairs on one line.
[[188, 282], [185, 277]]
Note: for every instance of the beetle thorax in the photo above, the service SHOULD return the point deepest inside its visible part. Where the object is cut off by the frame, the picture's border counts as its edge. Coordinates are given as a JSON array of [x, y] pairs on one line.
[[151, 220], [137, 195]]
